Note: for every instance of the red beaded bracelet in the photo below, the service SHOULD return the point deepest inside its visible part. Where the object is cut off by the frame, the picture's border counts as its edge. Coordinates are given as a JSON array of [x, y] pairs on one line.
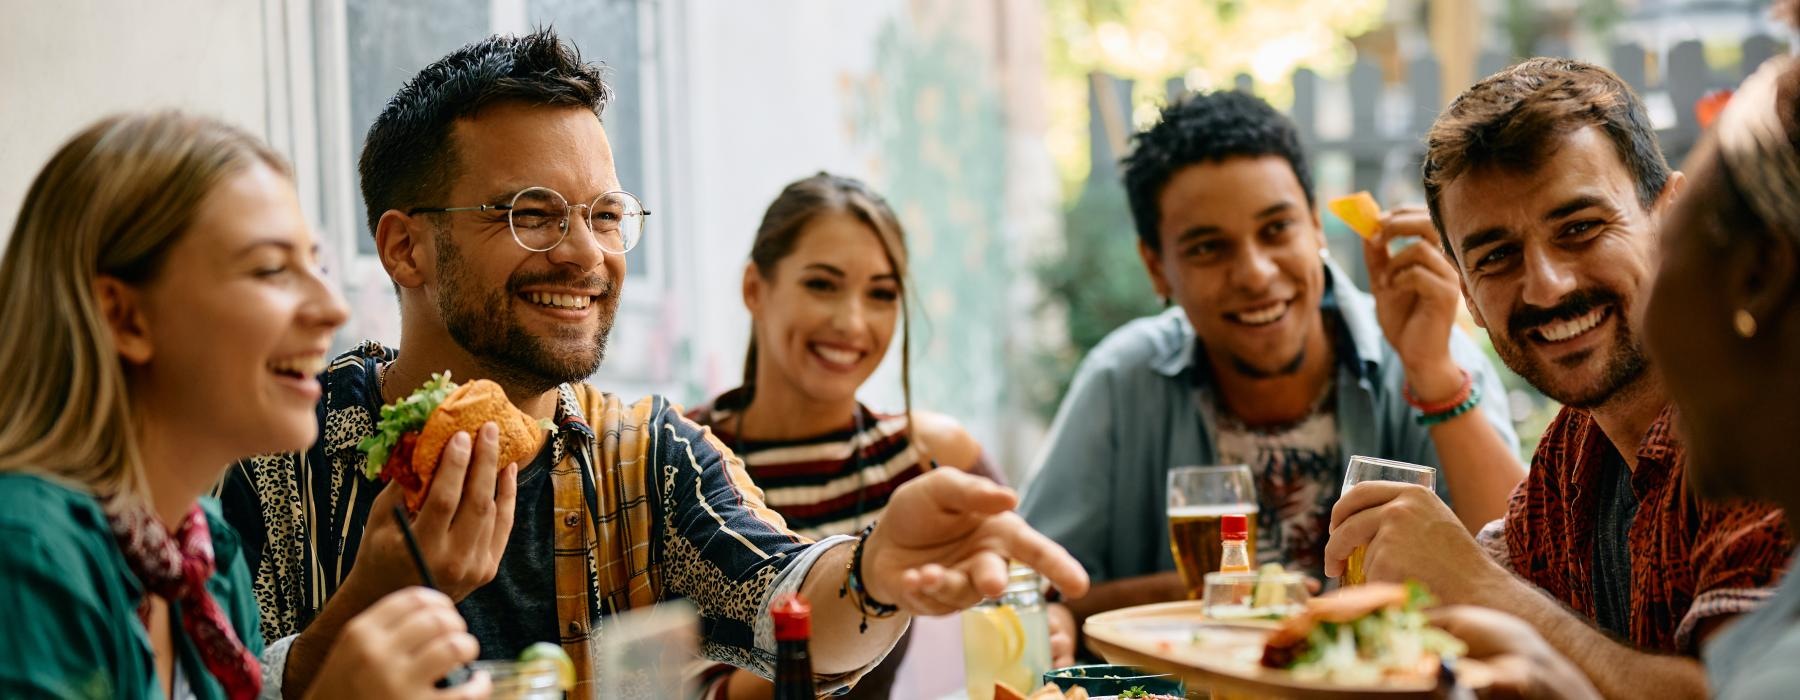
[[1462, 395]]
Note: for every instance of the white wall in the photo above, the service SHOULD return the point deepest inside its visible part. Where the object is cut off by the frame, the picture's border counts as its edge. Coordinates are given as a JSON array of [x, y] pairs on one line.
[[764, 107], [744, 96], [765, 93], [64, 64]]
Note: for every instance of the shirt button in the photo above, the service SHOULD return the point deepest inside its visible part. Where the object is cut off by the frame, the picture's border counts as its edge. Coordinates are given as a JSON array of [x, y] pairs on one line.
[[574, 628], [571, 520]]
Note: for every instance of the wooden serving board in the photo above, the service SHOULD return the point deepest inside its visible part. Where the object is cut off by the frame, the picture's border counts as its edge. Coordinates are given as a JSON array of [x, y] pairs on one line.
[[1224, 656]]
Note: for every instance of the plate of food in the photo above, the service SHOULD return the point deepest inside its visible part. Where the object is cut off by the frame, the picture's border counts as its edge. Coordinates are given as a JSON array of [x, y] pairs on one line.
[[1365, 642]]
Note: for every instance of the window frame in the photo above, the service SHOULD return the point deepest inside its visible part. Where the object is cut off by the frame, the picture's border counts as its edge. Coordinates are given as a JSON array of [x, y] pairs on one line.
[[306, 66]]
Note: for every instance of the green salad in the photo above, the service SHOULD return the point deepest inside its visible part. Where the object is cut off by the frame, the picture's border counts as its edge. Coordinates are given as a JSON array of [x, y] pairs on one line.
[[1363, 636]]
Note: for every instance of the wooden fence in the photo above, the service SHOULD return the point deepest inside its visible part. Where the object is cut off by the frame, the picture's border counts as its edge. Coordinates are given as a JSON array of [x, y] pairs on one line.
[[1373, 142]]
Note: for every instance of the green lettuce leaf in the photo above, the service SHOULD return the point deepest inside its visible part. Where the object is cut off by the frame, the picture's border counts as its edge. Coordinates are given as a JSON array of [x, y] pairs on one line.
[[403, 416], [1417, 598]]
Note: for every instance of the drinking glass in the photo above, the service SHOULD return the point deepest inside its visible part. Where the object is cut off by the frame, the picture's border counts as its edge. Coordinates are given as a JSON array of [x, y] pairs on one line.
[[1372, 469], [1198, 498], [1007, 638], [522, 680], [1239, 596]]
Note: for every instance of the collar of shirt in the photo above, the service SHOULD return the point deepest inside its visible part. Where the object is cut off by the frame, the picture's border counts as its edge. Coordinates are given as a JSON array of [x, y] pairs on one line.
[[1587, 444], [1354, 308], [570, 423]]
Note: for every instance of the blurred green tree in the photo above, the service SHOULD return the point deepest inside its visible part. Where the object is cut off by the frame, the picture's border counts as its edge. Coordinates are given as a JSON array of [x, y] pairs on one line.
[[1098, 282], [1204, 44]]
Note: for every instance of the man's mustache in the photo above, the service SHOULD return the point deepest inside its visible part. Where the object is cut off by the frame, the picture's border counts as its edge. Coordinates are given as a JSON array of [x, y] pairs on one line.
[[594, 285], [1575, 305]]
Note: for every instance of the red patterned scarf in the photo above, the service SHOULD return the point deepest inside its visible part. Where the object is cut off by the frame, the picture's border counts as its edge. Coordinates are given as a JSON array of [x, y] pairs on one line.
[[176, 569]]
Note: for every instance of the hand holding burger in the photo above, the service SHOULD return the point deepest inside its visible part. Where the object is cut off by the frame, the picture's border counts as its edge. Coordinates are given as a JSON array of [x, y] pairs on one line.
[[448, 460], [451, 454]]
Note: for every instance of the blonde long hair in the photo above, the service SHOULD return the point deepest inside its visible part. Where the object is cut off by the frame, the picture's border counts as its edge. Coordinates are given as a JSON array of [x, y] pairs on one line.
[[112, 201]]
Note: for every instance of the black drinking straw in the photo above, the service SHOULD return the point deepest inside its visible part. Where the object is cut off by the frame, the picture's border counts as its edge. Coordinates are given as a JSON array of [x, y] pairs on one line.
[[463, 673], [412, 545]]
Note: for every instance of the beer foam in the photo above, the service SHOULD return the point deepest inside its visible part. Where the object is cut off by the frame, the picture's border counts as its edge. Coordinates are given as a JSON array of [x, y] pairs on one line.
[[1213, 510]]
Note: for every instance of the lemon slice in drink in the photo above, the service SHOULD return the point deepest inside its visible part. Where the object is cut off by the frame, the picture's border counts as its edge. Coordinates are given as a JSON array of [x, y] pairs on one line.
[[1269, 592], [1012, 632], [994, 638], [554, 655]]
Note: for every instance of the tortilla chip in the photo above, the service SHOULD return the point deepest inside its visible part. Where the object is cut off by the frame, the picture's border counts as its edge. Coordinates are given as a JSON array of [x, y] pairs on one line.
[[1349, 604], [1359, 211]]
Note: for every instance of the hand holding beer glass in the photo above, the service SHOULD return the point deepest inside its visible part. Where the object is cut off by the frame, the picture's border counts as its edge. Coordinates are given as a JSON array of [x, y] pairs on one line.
[[1371, 469], [1198, 498]]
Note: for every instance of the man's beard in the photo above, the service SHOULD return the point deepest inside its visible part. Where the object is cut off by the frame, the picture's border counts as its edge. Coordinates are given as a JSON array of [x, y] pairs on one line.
[[1625, 365], [483, 322], [1247, 369]]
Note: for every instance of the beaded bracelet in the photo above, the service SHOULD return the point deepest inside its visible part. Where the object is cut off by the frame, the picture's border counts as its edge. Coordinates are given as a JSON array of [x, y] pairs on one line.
[[1468, 404], [857, 592], [1462, 394]]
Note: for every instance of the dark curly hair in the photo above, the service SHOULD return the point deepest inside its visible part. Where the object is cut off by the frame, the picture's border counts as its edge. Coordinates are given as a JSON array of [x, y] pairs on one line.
[[409, 157], [1205, 128]]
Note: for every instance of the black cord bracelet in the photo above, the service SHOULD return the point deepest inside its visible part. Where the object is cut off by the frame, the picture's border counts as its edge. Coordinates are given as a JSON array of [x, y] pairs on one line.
[[856, 588]]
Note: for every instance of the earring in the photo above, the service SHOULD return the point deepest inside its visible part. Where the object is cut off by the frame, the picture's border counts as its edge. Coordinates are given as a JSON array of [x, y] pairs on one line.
[[1744, 323]]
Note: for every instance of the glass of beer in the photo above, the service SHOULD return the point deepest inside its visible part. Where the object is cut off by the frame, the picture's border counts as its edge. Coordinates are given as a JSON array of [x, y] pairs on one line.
[[522, 680], [1371, 469], [1198, 498]]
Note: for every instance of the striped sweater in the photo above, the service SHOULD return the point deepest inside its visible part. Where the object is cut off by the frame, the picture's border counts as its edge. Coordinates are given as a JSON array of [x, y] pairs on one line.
[[831, 484]]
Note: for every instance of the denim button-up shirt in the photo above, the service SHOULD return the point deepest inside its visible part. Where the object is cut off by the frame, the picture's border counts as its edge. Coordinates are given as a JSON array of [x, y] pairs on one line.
[[1133, 412]]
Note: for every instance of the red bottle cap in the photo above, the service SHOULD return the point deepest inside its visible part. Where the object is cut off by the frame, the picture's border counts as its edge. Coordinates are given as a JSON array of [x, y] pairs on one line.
[[793, 618], [1235, 526]]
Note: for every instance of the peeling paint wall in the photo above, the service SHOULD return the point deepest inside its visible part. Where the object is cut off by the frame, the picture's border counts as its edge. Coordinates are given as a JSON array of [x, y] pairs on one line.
[[939, 106]]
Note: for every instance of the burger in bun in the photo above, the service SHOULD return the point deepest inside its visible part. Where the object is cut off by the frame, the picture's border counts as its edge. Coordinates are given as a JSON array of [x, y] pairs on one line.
[[412, 432]]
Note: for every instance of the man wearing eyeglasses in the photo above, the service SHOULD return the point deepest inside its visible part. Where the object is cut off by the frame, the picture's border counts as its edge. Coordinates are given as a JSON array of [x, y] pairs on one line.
[[496, 211]]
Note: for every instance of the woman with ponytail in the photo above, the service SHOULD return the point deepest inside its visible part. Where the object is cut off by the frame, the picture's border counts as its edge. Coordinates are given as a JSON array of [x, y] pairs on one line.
[[826, 289]]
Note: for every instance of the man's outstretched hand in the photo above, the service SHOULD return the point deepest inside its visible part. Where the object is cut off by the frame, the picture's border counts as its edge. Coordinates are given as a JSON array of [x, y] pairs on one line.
[[944, 544]]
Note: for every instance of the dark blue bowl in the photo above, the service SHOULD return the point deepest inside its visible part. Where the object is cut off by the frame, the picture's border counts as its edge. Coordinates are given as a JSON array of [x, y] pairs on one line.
[[1108, 679]]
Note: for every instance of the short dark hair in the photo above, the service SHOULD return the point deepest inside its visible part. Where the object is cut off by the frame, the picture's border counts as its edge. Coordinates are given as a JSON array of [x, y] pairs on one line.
[[408, 157], [1205, 128], [1513, 120]]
